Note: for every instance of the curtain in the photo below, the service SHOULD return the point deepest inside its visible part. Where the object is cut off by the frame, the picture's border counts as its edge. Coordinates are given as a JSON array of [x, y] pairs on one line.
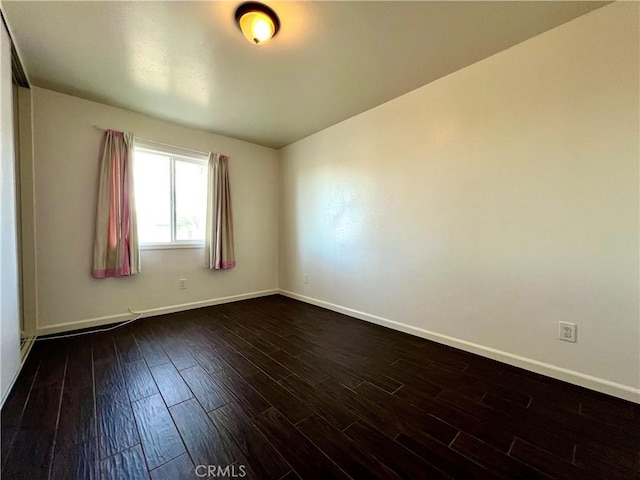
[[115, 248], [218, 244]]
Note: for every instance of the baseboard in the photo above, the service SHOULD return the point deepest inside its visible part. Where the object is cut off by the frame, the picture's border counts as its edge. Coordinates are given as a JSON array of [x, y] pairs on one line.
[[25, 349], [602, 385], [122, 317], [10, 387]]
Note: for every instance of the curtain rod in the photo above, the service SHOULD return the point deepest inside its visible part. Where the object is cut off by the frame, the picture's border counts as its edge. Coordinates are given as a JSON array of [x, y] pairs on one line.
[[158, 143]]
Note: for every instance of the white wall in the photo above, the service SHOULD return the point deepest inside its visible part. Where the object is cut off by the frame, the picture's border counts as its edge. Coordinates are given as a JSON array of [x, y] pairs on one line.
[[9, 293], [485, 207], [66, 151]]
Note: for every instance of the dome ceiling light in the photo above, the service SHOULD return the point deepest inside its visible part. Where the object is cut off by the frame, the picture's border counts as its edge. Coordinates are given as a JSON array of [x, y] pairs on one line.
[[257, 21]]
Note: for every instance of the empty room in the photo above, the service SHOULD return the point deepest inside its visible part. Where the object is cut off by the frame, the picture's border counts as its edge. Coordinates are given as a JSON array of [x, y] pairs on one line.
[[320, 240]]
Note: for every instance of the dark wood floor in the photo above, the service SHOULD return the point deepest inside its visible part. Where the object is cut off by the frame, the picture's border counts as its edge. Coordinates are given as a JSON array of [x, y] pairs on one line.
[[277, 389]]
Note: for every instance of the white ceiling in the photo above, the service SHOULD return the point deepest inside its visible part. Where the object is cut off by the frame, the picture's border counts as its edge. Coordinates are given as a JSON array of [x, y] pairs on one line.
[[188, 62]]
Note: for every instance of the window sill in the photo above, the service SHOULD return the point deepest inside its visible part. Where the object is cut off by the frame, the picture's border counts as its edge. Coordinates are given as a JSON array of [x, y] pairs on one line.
[[170, 246]]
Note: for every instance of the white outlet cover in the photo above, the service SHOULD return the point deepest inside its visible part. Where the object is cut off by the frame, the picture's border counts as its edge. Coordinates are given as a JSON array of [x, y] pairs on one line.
[[568, 332]]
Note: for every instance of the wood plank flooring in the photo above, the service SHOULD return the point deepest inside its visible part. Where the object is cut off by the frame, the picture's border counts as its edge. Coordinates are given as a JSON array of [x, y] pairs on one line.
[[277, 389]]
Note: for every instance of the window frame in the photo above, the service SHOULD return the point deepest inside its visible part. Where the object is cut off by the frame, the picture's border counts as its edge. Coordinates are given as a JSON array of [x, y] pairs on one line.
[[174, 154]]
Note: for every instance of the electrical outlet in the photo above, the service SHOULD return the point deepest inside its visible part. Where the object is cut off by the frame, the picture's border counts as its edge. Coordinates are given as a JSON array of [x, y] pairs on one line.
[[182, 284], [306, 278], [568, 332]]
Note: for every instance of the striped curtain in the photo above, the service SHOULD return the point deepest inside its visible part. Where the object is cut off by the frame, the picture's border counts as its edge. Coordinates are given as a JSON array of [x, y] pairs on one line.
[[218, 244], [115, 248]]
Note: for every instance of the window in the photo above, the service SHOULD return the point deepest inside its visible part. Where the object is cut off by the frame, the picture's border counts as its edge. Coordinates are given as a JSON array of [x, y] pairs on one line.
[[171, 197]]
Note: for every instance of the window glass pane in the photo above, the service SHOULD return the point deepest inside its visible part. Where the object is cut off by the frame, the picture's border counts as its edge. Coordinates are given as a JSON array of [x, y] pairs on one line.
[[153, 197], [191, 200]]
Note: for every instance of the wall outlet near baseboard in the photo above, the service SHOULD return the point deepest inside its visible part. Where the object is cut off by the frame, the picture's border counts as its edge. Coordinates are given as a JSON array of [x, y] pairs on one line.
[[182, 284], [568, 332], [306, 278]]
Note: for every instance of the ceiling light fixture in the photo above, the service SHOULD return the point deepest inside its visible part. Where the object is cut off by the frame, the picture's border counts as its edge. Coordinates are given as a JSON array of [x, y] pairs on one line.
[[257, 21]]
